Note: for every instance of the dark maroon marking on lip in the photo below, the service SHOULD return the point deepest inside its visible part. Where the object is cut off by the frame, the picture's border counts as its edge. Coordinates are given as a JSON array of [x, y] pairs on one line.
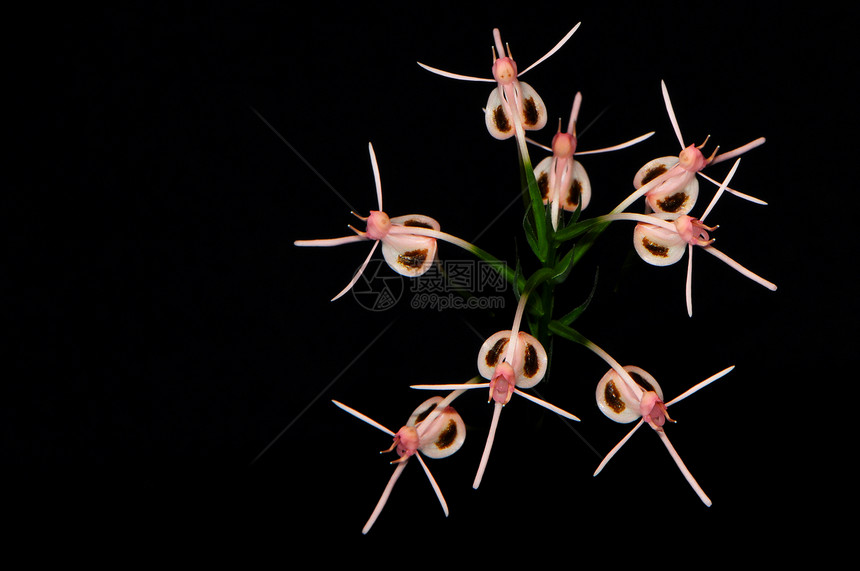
[[612, 397], [493, 354], [657, 250], [413, 259]]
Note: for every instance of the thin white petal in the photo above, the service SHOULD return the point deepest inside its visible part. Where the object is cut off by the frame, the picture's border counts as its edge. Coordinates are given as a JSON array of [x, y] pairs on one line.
[[358, 273], [363, 417], [376, 177], [629, 143], [671, 112], [553, 50], [618, 446], [689, 288], [574, 113], [325, 242], [546, 405], [720, 190], [497, 411], [434, 484], [535, 143], [455, 75], [683, 468], [751, 275], [701, 385], [733, 191], [384, 498], [450, 387], [739, 151]]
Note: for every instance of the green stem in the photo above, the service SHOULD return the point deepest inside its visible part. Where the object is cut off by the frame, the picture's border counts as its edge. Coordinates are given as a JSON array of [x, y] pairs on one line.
[[537, 207], [501, 267], [571, 334]]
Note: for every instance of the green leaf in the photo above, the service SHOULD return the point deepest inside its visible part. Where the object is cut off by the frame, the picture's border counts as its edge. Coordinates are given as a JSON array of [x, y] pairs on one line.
[[572, 316], [578, 228], [563, 267], [568, 333], [531, 237], [527, 175]]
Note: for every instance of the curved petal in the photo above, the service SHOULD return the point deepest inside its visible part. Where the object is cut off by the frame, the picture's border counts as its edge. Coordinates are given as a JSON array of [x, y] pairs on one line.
[[652, 169], [444, 436], [408, 254], [363, 417], [492, 353], [618, 446], [617, 147], [554, 49], [445, 432], [677, 190], [376, 178], [576, 187], [542, 176], [499, 122], [615, 399], [416, 221], [530, 361], [423, 410], [533, 114], [658, 246], [676, 196], [358, 273], [671, 113]]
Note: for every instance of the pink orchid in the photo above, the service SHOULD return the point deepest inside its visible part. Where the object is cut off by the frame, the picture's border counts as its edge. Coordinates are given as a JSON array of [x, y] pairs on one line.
[[405, 250], [510, 360], [434, 429], [661, 242], [513, 106], [623, 402], [669, 183], [562, 180]]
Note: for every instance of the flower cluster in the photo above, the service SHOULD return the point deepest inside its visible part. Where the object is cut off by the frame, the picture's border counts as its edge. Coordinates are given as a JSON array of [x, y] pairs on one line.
[[556, 192]]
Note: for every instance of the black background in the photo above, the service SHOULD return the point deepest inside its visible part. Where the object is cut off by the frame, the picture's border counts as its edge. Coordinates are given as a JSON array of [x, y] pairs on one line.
[[173, 355]]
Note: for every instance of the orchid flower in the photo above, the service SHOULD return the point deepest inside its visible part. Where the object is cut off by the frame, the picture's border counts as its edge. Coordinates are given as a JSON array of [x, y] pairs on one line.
[[662, 242], [510, 360], [669, 183], [408, 242], [513, 105], [618, 402], [562, 180], [434, 429]]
